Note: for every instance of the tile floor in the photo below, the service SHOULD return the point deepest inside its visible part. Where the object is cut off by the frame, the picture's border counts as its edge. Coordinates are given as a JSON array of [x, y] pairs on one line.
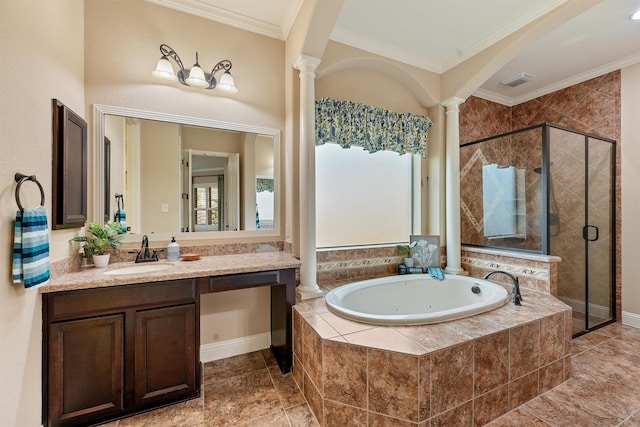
[[249, 390], [604, 389], [245, 390]]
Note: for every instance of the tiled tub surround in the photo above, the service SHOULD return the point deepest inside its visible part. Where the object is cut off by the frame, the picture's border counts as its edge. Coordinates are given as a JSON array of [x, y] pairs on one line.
[[536, 272], [465, 372], [348, 265]]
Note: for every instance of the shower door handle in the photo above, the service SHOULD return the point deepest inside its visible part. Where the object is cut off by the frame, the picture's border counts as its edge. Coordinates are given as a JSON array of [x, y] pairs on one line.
[[585, 233]]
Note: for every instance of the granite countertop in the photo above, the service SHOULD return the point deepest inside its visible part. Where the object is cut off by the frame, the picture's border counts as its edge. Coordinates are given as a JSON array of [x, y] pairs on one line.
[[218, 265]]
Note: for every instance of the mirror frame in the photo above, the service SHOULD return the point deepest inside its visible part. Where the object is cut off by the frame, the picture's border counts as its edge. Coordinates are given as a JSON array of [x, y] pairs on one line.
[[99, 113]]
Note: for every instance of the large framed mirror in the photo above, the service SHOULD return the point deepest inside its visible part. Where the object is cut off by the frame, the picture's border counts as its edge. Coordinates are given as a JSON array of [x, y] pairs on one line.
[[196, 178]]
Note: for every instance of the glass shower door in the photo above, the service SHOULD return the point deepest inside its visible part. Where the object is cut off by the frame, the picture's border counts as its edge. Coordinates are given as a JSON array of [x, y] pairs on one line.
[[581, 230], [599, 233]]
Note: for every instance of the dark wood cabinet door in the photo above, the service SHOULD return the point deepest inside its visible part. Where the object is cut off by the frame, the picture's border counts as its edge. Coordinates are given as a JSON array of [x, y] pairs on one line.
[[85, 369], [165, 354]]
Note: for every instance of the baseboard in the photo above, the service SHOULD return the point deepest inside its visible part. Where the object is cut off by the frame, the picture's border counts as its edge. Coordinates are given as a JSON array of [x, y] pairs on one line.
[[234, 347], [631, 319], [595, 310]]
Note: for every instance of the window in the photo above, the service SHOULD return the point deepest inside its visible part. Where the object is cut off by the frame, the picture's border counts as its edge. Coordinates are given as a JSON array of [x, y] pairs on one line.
[[362, 198], [207, 201]]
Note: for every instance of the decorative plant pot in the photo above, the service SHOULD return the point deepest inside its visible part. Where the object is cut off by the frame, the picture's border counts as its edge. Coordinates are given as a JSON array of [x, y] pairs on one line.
[[101, 261], [408, 262]]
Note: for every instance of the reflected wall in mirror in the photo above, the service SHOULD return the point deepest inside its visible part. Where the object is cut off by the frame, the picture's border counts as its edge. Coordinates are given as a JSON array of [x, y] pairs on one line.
[[178, 174]]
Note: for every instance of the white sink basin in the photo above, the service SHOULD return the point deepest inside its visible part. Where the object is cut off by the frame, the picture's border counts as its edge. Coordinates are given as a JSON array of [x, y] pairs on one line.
[[139, 268]]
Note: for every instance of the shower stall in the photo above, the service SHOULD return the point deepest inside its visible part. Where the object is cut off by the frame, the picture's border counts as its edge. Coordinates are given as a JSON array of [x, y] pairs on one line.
[[550, 190]]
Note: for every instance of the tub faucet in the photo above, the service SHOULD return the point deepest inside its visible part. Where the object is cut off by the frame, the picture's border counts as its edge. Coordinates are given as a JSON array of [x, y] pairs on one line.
[[515, 285]]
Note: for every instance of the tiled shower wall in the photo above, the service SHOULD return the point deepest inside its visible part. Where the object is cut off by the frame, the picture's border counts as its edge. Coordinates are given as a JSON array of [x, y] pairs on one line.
[[522, 150], [592, 106]]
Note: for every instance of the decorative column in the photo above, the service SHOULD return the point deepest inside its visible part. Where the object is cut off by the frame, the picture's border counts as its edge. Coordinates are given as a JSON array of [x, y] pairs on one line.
[[308, 287], [452, 196]]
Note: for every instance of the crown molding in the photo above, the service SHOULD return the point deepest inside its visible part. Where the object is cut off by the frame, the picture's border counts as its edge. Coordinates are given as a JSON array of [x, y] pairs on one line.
[[383, 49], [543, 8], [563, 84], [440, 67], [493, 97], [223, 16]]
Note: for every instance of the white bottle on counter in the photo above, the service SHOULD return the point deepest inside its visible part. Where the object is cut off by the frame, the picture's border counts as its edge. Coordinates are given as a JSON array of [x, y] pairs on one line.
[[173, 250]]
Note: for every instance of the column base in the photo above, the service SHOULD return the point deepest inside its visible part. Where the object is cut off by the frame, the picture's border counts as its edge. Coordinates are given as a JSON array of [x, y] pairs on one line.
[[309, 292], [456, 271]]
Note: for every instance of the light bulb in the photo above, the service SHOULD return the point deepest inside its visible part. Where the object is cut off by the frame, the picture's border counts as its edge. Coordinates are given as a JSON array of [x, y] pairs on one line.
[[164, 70], [196, 77], [227, 84]]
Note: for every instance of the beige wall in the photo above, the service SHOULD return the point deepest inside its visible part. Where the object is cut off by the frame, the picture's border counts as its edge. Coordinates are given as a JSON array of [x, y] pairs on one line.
[[37, 66], [631, 200], [211, 140], [114, 129], [159, 169]]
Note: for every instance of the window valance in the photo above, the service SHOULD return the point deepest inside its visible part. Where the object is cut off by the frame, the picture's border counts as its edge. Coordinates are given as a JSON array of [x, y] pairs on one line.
[[264, 184], [374, 129]]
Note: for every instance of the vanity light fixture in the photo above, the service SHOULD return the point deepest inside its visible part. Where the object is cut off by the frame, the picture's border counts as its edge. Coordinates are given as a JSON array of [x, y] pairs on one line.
[[194, 77], [635, 16]]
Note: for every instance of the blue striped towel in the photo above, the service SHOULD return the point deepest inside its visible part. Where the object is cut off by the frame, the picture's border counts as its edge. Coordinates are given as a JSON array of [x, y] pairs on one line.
[[121, 217], [436, 273], [31, 247]]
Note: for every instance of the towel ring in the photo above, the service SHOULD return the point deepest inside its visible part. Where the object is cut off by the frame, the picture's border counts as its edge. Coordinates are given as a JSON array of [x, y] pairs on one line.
[[20, 178]]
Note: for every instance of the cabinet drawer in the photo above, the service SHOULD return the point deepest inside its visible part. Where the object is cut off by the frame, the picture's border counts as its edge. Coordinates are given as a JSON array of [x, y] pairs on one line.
[[89, 302], [245, 280]]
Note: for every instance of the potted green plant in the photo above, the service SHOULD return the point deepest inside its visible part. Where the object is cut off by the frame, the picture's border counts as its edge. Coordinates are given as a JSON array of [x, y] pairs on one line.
[[102, 238], [405, 251]]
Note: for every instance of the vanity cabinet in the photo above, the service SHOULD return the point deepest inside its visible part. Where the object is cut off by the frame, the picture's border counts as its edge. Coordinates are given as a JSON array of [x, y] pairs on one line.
[[110, 352]]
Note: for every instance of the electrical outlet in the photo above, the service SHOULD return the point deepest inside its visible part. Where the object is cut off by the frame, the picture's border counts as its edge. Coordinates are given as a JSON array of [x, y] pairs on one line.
[[165, 207]]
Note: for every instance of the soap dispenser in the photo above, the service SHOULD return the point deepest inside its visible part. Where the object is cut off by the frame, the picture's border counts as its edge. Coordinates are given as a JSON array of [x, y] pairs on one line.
[[173, 250]]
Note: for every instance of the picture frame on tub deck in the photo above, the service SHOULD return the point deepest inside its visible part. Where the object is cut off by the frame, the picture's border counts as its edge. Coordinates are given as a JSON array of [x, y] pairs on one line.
[[427, 250]]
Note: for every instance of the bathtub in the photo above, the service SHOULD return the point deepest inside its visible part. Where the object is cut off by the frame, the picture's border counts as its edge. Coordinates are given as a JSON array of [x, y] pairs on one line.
[[415, 299]]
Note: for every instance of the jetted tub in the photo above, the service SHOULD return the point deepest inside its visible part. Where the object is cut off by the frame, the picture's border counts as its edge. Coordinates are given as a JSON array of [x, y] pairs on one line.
[[415, 299]]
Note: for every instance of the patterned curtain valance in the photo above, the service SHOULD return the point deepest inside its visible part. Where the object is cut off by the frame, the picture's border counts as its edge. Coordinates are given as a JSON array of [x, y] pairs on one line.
[[264, 184], [349, 123]]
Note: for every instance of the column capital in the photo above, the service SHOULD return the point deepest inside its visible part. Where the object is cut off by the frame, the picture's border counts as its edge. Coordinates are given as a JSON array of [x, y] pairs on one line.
[[306, 64], [454, 101]]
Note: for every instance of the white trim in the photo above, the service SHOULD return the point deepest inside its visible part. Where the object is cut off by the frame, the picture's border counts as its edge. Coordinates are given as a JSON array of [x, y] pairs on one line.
[[228, 17], [579, 78], [571, 81], [441, 65], [234, 347], [494, 97], [385, 50], [631, 319]]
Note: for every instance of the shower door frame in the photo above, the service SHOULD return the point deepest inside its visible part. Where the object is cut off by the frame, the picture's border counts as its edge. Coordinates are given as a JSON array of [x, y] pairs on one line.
[[546, 241]]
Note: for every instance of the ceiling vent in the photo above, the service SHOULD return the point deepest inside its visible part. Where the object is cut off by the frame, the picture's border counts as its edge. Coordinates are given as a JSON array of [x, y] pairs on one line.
[[518, 80]]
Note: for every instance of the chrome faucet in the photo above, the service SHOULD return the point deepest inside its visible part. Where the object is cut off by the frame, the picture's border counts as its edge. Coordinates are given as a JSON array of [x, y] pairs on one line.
[[143, 255], [515, 285]]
